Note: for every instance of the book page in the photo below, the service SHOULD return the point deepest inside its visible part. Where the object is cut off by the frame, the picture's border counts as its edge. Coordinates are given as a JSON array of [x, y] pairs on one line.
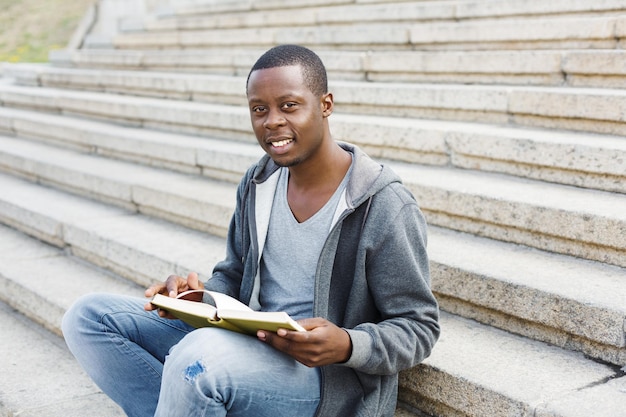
[[226, 302], [251, 321]]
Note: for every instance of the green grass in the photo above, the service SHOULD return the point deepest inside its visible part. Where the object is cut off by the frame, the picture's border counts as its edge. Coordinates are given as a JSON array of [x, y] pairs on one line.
[[32, 28]]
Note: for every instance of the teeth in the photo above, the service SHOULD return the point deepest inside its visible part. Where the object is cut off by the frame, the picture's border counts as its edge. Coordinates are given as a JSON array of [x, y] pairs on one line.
[[281, 143]]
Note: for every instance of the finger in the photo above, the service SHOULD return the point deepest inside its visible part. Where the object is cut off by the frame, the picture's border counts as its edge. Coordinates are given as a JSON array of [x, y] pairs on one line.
[[166, 314], [313, 322], [154, 289], [296, 350], [173, 283], [267, 337], [293, 335], [194, 282], [277, 342]]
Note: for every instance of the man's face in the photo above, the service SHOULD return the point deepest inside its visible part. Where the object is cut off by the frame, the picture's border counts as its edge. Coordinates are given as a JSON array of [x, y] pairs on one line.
[[287, 118]]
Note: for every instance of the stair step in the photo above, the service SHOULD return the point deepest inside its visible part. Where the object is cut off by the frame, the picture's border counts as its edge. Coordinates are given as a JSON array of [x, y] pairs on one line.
[[523, 284], [200, 203], [575, 68], [456, 365], [142, 249], [565, 301], [226, 61], [476, 370], [569, 220], [215, 158], [584, 223], [577, 159], [34, 361], [551, 107], [327, 11], [578, 68], [586, 160], [530, 33], [44, 296], [179, 116]]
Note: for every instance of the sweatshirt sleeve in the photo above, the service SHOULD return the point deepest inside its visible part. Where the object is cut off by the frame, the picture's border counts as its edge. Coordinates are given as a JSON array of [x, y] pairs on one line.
[[398, 279]]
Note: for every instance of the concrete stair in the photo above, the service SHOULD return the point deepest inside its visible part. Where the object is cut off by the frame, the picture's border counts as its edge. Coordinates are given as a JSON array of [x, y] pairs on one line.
[[583, 68], [512, 209], [553, 155], [113, 238], [36, 361], [449, 25], [118, 167]]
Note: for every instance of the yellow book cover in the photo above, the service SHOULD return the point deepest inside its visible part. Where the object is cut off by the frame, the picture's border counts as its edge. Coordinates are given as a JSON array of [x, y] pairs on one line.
[[227, 313]]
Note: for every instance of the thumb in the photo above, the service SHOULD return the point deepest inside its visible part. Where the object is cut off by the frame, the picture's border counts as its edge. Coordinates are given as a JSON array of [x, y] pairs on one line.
[[193, 282]]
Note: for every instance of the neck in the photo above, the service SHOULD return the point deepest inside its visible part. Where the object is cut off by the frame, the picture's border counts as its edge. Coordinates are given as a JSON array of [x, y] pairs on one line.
[[327, 169]]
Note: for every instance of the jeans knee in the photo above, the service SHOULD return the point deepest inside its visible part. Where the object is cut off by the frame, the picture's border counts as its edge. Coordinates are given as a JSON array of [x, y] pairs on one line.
[[75, 318], [85, 315]]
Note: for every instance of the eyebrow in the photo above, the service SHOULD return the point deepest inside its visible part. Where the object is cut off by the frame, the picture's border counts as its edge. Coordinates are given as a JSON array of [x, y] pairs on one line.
[[289, 96]]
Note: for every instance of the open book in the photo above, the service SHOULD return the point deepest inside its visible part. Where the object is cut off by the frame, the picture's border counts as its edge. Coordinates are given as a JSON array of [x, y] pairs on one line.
[[228, 313]]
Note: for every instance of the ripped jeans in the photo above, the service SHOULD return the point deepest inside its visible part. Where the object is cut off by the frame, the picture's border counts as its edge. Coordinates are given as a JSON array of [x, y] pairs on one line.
[[207, 372]]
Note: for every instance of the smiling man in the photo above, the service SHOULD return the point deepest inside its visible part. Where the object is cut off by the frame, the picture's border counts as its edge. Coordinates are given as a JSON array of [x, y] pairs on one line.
[[320, 231]]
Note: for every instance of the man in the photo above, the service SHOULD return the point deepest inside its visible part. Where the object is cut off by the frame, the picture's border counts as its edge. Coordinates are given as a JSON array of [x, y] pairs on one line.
[[320, 231]]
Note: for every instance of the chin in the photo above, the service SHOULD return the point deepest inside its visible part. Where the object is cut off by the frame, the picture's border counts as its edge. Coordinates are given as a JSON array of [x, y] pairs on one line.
[[286, 163]]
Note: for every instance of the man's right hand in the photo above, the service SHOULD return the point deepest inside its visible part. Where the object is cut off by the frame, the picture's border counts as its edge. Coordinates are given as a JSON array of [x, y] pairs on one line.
[[173, 286]]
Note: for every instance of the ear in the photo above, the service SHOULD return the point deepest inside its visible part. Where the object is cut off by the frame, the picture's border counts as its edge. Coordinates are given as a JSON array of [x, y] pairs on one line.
[[327, 104]]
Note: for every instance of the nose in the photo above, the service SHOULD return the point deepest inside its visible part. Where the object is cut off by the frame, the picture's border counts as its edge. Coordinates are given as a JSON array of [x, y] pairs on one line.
[[273, 120]]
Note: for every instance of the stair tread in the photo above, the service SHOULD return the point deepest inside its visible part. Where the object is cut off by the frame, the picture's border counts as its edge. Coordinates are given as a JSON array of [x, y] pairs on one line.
[[535, 372], [486, 97], [501, 187], [533, 369], [511, 371], [530, 107], [154, 248], [381, 33], [59, 280], [444, 193], [175, 147], [507, 188], [598, 144], [36, 362], [527, 283], [601, 157], [190, 199], [338, 10]]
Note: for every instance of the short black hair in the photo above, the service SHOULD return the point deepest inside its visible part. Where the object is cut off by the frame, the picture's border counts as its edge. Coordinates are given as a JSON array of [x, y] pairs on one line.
[[313, 70]]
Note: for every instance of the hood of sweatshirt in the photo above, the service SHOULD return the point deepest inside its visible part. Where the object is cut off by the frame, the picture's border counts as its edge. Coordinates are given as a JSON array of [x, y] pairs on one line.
[[367, 178]]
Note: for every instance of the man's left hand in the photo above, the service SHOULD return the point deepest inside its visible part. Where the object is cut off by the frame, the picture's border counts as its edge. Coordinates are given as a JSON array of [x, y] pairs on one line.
[[322, 344]]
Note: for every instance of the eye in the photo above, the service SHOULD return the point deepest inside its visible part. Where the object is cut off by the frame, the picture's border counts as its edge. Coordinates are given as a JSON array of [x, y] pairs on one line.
[[289, 105], [258, 109]]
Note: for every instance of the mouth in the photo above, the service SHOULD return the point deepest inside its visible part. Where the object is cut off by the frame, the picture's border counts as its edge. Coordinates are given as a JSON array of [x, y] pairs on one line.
[[279, 143]]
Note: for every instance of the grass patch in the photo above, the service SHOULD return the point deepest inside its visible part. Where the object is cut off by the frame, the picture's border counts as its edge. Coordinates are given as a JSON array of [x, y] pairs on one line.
[[32, 28]]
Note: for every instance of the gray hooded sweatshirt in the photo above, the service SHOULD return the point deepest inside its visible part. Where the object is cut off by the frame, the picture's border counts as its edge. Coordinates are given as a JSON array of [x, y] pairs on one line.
[[372, 279]]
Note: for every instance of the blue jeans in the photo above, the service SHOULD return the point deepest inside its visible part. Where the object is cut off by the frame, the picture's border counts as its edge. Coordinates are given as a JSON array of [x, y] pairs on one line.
[[153, 366]]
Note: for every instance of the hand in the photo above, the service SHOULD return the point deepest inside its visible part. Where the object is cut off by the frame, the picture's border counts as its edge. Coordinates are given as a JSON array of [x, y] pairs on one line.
[[323, 344], [173, 286]]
